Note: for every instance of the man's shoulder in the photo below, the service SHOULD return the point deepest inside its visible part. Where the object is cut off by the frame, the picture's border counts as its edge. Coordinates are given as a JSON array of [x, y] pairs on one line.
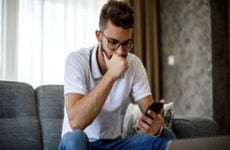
[[80, 55], [133, 58], [81, 52]]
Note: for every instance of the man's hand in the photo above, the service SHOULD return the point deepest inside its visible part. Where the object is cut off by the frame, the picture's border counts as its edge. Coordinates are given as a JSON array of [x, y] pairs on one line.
[[116, 65], [150, 126]]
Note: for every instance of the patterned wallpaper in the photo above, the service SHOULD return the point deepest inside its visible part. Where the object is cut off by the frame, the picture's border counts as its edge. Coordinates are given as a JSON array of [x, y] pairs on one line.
[[186, 35]]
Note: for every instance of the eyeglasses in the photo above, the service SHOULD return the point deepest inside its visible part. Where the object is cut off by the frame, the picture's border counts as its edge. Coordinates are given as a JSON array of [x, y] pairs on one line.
[[113, 44]]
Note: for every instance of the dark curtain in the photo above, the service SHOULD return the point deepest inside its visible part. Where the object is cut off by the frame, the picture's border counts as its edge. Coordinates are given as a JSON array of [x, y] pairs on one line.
[[146, 40]]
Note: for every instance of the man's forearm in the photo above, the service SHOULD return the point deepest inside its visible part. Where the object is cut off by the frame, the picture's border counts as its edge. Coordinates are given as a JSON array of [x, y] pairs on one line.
[[83, 111]]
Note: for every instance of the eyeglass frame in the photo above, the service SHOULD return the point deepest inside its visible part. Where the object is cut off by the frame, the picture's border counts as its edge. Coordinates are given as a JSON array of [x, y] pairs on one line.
[[111, 40]]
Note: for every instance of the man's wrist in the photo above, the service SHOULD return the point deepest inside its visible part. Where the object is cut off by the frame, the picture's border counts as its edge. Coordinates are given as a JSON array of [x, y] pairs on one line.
[[159, 132]]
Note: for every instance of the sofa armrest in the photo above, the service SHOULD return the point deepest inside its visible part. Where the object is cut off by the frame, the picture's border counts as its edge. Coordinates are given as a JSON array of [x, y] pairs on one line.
[[188, 127]]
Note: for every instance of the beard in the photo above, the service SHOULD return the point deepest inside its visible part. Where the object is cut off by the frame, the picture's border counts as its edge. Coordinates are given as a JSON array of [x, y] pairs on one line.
[[103, 50]]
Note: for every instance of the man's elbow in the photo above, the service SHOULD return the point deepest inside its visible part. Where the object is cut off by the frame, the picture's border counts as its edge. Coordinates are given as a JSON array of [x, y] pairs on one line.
[[76, 125]]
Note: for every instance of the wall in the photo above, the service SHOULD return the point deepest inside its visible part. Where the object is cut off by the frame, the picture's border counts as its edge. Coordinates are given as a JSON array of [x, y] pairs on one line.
[[186, 35]]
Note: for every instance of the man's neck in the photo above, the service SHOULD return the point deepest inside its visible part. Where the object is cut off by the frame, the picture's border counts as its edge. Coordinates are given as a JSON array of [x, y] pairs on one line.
[[100, 61]]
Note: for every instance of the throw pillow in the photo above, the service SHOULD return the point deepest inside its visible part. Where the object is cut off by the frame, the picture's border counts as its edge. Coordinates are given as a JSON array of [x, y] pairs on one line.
[[168, 112], [129, 124]]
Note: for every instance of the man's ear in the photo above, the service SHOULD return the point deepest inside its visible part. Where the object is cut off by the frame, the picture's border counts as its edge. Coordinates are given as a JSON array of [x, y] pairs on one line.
[[98, 35]]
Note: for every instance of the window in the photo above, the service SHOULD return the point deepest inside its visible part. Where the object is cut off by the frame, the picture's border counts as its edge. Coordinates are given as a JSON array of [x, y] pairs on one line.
[[42, 34]]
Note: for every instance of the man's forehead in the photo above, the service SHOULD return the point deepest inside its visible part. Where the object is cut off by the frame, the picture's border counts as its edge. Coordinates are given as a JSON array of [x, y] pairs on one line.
[[118, 33]]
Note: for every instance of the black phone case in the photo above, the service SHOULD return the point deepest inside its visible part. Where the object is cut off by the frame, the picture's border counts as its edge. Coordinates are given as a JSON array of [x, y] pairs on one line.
[[155, 107]]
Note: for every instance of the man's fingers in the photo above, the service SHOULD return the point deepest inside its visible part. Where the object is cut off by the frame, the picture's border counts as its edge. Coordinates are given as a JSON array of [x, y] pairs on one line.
[[162, 101]]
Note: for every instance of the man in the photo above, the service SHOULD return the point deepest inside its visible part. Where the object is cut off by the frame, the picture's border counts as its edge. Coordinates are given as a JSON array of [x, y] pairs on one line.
[[98, 80]]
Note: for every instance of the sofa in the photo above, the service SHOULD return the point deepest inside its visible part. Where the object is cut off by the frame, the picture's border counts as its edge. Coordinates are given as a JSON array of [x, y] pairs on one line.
[[32, 118]]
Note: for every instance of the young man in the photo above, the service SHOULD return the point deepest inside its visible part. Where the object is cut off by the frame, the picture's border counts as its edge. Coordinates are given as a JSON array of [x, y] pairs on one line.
[[98, 80]]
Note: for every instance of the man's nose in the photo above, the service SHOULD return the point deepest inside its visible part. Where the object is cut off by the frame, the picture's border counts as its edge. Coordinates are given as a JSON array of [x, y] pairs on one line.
[[120, 51]]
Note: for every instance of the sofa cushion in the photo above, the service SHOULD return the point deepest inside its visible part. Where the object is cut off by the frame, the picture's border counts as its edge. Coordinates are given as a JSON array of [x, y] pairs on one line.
[[16, 100], [190, 126], [20, 133], [19, 124], [50, 102]]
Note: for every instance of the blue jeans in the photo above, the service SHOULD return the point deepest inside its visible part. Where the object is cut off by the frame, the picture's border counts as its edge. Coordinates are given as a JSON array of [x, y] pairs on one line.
[[78, 140]]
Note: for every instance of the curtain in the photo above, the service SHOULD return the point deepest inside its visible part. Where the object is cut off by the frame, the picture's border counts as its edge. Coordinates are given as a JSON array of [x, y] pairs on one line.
[[8, 32], [146, 40], [37, 35]]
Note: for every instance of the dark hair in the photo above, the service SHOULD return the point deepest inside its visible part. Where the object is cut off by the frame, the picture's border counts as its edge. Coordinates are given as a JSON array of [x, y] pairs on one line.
[[120, 13]]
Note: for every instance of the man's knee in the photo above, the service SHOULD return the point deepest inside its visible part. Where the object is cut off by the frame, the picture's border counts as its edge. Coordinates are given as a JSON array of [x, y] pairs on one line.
[[79, 136], [74, 139]]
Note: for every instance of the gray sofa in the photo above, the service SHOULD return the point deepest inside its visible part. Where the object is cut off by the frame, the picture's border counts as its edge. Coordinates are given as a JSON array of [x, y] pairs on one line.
[[32, 118]]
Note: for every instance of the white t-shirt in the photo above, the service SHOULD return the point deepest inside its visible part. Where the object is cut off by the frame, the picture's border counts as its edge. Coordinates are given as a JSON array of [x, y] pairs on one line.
[[81, 76]]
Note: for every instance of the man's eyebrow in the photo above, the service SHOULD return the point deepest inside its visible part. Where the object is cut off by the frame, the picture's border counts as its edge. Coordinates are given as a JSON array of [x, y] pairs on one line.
[[115, 40], [128, 40], [112, 39]]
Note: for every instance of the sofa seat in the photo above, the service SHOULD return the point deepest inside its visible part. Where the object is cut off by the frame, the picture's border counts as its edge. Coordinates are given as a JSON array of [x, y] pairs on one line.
[[32, 118]]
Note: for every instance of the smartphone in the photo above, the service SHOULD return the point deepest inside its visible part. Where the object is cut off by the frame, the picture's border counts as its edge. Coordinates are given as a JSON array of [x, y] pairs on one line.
[[155, 107]]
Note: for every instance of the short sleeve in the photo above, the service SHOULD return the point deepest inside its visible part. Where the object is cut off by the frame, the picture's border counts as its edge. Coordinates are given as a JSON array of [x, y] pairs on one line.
[[75, 74], [141, 86]]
